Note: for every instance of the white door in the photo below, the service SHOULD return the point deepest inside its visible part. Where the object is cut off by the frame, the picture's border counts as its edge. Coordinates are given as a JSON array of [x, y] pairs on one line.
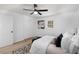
[[6, 30]]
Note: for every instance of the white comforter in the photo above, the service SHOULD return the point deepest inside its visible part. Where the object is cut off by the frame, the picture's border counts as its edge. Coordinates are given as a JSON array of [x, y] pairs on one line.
[[70, 43], [74, 47], [40, 46]]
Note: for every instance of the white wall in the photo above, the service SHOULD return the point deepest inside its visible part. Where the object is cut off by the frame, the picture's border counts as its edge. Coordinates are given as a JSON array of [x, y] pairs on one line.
[[22, 26], [29, 27], [6, 25], [62, 22]]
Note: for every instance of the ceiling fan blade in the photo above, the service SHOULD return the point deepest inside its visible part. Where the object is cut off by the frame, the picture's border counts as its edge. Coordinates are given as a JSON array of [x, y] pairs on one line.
[[39, 13], [28, 10], [43, 10], [31, 13]]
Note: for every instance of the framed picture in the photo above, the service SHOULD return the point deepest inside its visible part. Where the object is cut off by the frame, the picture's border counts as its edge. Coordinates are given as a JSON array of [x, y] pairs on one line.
[[41, 24], [50, 24]]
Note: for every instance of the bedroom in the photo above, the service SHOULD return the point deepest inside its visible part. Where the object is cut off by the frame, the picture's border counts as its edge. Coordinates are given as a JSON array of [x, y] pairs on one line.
[[18, 24]]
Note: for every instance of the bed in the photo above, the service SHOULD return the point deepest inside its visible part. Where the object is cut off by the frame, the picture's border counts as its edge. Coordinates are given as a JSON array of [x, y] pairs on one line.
[[45, 45], [68, 44]]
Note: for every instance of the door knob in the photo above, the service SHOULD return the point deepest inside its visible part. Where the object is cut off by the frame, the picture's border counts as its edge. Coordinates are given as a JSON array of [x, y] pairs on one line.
[[11, 31]]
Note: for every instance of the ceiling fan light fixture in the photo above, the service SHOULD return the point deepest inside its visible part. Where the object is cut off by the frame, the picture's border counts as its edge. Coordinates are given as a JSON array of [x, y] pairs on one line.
[[35, 12]]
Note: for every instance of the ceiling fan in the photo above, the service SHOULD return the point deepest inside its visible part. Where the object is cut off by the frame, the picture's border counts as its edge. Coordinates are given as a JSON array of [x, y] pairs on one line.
[[35, 10]]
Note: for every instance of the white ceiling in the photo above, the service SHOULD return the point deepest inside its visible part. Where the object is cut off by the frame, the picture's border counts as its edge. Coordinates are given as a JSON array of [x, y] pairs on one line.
[[52, 8]]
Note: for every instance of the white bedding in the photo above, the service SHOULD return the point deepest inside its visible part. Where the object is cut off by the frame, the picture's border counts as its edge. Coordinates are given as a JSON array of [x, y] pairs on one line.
[[52, 49], [70, 43], [43, 46], [74, 47], [66, 41], [40, 46]]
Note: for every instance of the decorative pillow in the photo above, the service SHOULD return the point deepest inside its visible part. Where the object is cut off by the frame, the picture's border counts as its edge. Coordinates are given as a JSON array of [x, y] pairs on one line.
[[58, 40]]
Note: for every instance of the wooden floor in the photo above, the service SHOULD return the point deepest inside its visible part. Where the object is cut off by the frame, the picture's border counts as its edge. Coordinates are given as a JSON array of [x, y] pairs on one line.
[[11, 48]]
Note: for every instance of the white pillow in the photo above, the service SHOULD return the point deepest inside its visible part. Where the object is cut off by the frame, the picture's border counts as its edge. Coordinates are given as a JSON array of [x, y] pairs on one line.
[[75, 39], [67, 34], [74, 44], [66, 41]]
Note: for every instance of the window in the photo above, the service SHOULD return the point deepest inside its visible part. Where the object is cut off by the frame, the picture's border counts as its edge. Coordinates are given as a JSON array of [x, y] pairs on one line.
[[50, 24]]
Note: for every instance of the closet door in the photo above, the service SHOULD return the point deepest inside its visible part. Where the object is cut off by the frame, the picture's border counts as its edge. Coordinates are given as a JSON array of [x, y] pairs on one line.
[[6, 30]]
